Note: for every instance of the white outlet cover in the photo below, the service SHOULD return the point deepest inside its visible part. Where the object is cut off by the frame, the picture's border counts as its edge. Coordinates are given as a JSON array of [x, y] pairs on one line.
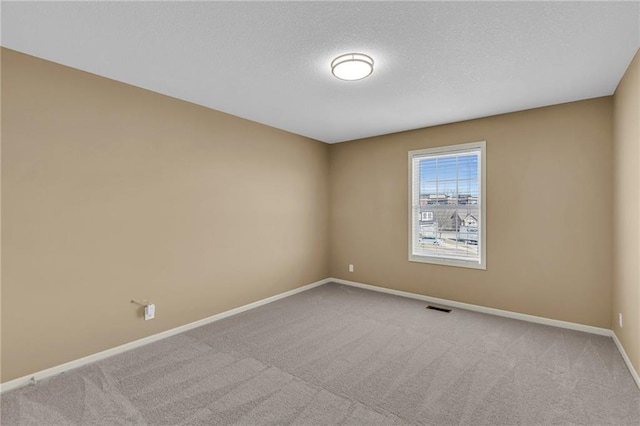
[[149, 312], [620, 319]]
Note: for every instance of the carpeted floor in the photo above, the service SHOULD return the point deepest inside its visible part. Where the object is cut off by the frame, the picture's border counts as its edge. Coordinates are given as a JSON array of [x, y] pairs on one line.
[[340, 355]]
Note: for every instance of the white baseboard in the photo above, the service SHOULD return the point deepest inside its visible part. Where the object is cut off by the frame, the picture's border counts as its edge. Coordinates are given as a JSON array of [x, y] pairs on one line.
[[627, 361], [482, 309], [49, 372]]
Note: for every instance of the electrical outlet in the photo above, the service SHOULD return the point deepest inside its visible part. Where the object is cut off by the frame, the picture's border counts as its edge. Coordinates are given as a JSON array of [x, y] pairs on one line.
[[149, 312], [350, 268], [620, 319]]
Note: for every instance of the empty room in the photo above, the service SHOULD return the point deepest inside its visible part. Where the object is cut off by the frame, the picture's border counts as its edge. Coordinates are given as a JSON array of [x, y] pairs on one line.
[[320, 213]]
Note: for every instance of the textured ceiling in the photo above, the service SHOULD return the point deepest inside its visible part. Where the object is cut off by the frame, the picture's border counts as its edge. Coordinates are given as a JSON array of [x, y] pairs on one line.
[[435, 62]]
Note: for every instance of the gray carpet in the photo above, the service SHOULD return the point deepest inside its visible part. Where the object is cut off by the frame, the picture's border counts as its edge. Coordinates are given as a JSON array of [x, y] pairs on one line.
[[340, 355]]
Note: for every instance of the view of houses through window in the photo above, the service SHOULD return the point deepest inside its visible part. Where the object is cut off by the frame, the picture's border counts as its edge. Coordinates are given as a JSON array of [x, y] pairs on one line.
[[446, 205]]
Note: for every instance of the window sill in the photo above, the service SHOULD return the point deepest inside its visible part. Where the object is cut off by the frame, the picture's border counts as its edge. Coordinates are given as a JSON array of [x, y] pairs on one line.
[[447, 262]]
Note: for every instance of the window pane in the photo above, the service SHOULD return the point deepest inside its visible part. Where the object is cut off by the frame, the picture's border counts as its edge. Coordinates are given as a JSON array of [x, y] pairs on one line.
[[428, 169], [468, 187], [467, 166], [428, 187], [448, 188]]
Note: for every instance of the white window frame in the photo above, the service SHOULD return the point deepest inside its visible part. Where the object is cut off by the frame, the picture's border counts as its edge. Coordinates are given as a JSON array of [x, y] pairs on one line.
[[414, 205]]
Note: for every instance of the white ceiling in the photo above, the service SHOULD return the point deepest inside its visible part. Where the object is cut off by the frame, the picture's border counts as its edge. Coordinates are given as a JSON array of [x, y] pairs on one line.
[[435, 62]]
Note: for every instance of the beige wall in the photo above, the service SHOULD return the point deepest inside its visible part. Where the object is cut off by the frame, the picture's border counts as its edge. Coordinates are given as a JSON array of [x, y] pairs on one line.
[[549, 207], [626, 284], [111, 192]]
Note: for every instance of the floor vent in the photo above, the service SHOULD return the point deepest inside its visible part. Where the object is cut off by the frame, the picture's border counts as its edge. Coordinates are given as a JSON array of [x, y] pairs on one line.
[[436, 308]]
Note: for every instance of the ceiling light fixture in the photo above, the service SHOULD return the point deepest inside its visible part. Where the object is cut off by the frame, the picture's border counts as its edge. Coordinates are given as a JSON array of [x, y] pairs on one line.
[[352, 66]]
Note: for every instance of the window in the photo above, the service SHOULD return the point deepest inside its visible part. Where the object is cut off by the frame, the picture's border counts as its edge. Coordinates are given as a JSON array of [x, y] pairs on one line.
[[450, 182], [426, 216]]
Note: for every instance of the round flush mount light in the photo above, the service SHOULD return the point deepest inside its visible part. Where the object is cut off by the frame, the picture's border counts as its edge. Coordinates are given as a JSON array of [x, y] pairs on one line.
[[352, 66]]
